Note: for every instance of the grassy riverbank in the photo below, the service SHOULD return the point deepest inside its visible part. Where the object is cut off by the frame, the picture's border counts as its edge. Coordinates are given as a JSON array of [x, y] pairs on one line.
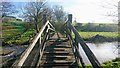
[[19, 32], [87, 35], [99, 36], [16, 32], [109, 64]]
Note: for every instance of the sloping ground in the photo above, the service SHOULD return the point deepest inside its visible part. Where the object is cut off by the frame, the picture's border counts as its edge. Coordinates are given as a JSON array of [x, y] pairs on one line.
[[14, 32]]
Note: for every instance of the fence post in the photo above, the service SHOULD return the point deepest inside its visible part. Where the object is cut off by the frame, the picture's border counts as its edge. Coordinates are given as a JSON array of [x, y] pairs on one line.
[[44, 21], [118, 29], [70, 18], [69, 21]]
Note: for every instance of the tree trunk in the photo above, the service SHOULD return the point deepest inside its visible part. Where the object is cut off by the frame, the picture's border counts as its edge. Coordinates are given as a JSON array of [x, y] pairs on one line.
[[37, 27]]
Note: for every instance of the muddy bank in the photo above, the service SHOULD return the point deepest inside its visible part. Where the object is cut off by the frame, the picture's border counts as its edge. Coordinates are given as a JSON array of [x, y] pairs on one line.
[[100, 39], [9, 54]]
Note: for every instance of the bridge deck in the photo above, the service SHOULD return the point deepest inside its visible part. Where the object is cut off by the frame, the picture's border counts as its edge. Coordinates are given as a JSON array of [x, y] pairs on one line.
[[58, 53]]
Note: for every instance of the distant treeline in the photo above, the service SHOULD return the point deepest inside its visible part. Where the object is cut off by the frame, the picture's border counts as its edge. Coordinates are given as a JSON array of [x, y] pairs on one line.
[[95, 27]]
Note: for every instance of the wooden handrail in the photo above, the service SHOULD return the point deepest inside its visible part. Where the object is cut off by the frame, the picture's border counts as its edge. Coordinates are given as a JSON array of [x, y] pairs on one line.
[[39, 54], [95, 63], [76, 52], [31, 46]]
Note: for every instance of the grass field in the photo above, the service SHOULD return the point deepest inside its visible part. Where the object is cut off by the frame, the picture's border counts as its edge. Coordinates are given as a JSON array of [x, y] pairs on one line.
[[109, 64], [14, 32], [105, 34]]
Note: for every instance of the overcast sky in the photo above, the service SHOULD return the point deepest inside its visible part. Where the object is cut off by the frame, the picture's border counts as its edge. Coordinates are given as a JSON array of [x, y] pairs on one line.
[[86, 10]]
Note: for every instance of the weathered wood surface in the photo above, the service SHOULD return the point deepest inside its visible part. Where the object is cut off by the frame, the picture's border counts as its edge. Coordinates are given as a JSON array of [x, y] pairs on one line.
[[29, 49], [58, 53], [95, 63], [53, 50]]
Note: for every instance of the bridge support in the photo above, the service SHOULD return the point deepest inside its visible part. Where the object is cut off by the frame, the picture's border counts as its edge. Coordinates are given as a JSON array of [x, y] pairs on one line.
[[70, 18], [44, 19], [69, 21]]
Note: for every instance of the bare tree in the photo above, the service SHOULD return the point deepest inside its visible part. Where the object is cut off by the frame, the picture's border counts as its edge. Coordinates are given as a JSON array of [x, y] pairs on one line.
[[7, 8], [33, 12], [59, 13], [119, 13], [112, 5], [59, 17]]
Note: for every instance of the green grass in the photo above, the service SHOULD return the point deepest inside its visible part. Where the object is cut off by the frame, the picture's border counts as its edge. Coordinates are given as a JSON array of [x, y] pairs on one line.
[[14, 38], [108, 65], [14, 32], [87, 35], [115, 63]]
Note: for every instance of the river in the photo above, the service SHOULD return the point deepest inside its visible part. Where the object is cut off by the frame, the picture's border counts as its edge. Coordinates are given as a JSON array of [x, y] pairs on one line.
[[103, 51]]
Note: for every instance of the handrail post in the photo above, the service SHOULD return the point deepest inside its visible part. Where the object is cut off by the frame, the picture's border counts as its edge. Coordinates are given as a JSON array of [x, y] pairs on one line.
[[44, 21], [69, 21], [70, 18], [95, 63], [80, 59]]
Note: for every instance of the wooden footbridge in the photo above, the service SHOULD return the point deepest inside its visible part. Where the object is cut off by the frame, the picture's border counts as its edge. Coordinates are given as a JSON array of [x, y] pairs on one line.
[[50, 49]]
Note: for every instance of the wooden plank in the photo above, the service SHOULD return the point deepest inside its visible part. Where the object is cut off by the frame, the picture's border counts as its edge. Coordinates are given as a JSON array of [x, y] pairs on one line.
[[76, 51], [95, 63], [29, 49]]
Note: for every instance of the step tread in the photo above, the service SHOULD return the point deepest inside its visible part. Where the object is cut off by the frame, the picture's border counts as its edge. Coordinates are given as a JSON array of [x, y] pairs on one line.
[[63, 58], [58, 53], [57, 62], [58, 47], [59, 66], [59, 56], [45, 65]]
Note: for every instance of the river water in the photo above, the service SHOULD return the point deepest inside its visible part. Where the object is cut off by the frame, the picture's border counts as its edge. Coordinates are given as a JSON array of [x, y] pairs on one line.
[[103, 51]]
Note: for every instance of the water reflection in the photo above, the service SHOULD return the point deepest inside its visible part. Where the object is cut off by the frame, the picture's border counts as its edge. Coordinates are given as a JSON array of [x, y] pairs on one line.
[[103, 51]]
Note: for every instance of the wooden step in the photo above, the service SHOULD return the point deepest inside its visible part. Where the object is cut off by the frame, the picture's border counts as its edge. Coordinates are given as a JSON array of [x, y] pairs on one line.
[[58, 46], [58, 52], [57, 49], [57, 56], [58, 59], [59, 66], [55, 62], [58, 40]]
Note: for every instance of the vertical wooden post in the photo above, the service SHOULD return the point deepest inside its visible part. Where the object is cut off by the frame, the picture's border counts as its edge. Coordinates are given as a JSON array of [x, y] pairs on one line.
[[69, 21], [44, 21], [118, 28], [69, 18]]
